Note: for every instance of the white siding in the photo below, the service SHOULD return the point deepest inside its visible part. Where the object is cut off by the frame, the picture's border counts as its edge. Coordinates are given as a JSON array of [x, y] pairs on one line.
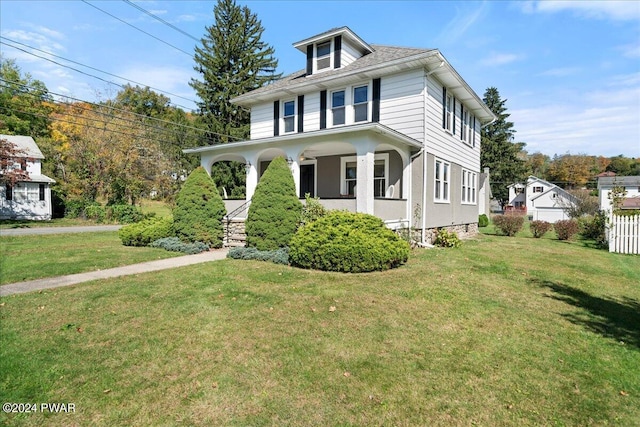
[[442, 143], [262, 121], [312, 112], [402, 103], [348, 54]]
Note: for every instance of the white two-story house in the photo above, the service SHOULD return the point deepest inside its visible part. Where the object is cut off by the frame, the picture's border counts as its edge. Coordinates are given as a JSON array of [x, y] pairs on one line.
[[540, 200], [27, 199], [388, 131]]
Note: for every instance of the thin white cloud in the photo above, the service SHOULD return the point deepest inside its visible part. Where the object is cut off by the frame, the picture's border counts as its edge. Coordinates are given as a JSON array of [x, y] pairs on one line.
[[496, 59], [460, 24], [631, 50], [561, 72], [627, 10], [48, 32]]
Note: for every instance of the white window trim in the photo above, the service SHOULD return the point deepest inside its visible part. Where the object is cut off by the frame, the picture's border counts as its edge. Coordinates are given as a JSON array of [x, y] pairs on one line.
[[464, 135], [313, 162], [445, 198], [449, 113], [315, 57], [348, 159], [295, 116], [347, 99], [469, 182]]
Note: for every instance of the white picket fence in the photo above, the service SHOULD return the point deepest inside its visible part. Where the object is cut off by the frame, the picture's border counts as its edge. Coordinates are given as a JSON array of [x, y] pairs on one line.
[[624, 234]]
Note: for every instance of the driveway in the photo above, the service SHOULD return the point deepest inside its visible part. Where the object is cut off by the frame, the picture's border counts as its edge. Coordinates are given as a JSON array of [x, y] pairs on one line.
[[57, 230]]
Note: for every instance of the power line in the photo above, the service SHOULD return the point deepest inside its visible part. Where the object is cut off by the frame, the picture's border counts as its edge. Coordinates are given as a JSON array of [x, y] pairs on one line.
[[156, 17], [142, 31], [92, 68]]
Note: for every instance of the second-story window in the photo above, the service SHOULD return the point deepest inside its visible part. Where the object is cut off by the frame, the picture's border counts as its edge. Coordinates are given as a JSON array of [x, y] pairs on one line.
[[464, 135], [361, 103], [337, 107], [323, 55], [449, 113], [289, 116]]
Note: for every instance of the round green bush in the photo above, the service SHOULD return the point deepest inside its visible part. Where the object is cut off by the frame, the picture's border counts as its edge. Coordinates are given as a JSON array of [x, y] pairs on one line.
[[146, 231], [199, 210], [483, 220], [347, 242], [274, 213]]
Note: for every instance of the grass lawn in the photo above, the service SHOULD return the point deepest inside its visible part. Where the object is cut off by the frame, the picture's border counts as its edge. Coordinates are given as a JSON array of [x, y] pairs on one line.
[[502, 331], [58, 222], [34, 257]]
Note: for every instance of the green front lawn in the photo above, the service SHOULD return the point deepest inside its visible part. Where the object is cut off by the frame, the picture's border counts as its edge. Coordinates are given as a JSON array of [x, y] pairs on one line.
[[500, 332], [34, 257]]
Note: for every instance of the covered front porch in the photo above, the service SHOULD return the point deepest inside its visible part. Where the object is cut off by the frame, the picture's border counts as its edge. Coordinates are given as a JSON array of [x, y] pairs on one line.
[[363, 168]]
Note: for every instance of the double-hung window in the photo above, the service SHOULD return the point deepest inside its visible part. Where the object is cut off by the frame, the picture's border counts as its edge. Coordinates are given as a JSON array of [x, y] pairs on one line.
[[289, 116], [41, 192], [442, 172], [449, 113], [464, 135], [337, 107], [349, 173], [469, 187], [361, 103], [32, 193], [323, 55], [538, 189]]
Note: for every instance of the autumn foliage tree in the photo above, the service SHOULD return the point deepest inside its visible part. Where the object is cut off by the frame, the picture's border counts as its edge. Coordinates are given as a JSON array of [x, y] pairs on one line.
[[11, 161]]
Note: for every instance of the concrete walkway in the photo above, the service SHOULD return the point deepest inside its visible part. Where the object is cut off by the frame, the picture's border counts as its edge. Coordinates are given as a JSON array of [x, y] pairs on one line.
[[145, 267], [57, 230]]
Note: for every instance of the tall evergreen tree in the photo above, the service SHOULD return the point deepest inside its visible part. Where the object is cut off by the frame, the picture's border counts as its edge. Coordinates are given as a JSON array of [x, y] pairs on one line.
[[232, 60], [499, 153]]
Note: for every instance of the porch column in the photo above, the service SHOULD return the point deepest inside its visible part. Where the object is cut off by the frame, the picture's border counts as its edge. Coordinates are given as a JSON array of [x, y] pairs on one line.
[[295, 168], [364, 178], [252, 177]]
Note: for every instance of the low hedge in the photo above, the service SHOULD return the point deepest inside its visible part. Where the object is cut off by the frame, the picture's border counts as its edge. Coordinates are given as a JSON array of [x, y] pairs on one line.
[[278, 256], [146, 231], [508, 224], [539, 228], [566, 228], [174, 244], [347, 242]]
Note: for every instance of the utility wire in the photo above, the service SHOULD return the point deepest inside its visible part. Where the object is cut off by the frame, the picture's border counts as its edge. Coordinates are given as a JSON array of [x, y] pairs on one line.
[[77, 70], [133, 26], [92, 68], [156, 17]]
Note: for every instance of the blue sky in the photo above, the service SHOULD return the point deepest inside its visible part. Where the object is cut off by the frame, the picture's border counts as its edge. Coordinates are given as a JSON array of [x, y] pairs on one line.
[[570, 71]]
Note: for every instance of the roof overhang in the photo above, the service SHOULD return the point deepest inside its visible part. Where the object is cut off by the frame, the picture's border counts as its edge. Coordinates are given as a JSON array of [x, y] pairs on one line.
[[432, 61], [345, 32], [319, 136]]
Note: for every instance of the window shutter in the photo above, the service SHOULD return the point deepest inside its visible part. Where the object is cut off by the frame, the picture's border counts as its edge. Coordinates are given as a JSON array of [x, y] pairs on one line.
[[337, 48], [323, 109], [444, 107], [276, 118], [300, 113], [376, 101], [309, 60]]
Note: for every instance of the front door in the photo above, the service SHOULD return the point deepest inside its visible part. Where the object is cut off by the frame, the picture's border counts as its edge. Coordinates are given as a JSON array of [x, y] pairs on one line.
[[307, 180]]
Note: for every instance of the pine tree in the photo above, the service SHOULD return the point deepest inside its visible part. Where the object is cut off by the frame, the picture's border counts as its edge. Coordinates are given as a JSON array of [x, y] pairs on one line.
[[499, 153], [275, 210], [232, 60]]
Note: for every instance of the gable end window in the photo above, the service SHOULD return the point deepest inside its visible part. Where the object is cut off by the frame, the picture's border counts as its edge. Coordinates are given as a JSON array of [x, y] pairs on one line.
[[289, 116], [323, 55], [538, 189]]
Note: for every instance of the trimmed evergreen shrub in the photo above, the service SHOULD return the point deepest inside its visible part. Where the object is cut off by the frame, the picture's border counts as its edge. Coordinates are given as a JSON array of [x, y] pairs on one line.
[[539, 228], [274, 213], [347, 242], [199, 210], [446, 239], [279, 256], [174, 244], [483, 220], [566, 228], [508, 224], [146, 231]]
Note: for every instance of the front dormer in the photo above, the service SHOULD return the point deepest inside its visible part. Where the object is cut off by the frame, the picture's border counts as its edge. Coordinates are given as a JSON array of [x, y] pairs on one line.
[[332, 50]]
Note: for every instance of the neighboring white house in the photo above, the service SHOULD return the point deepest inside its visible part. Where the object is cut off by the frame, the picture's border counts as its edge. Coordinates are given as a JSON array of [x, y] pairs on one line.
[[389, 131], [27, 199], [540, 199], [630, 183]]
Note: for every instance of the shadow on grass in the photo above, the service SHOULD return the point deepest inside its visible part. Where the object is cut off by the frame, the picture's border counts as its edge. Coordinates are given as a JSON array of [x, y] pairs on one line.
[[618, 319]]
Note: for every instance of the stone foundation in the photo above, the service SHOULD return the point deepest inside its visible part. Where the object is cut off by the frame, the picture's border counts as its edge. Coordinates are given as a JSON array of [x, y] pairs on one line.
[[464, 231]]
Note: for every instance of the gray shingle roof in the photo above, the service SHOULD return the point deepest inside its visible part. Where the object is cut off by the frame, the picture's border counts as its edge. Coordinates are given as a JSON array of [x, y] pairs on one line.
[[25, 143], [380, 56]]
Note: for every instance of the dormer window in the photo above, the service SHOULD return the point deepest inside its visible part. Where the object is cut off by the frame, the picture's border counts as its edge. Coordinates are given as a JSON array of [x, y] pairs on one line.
[[323, 55]]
